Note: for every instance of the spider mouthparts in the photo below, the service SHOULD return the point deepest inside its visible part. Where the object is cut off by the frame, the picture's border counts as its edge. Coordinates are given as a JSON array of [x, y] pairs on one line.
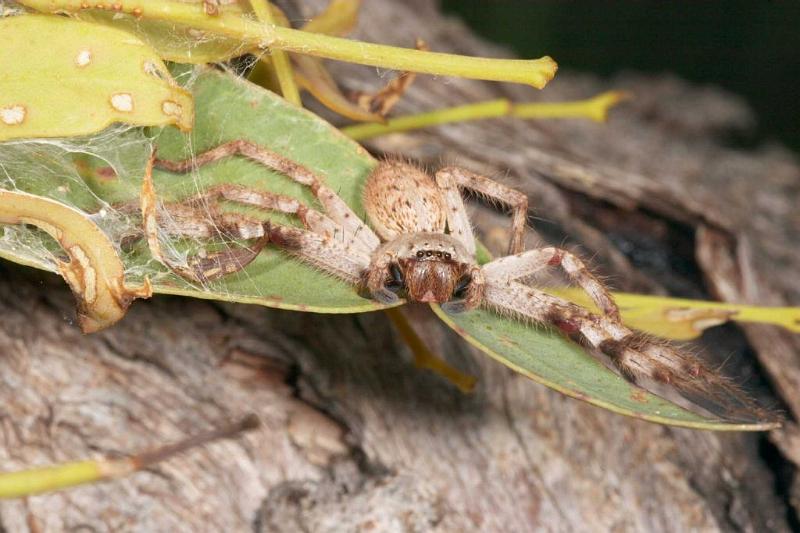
[[428, 297]]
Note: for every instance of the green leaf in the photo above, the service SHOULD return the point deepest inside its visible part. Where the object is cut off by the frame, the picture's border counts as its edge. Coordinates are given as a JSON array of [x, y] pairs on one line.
[[548, 358], [231, 109], [102, 177], [62, 77]]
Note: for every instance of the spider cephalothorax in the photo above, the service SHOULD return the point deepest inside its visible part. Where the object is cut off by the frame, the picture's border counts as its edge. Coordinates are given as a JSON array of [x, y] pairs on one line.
[[423, 267], [419, 245]]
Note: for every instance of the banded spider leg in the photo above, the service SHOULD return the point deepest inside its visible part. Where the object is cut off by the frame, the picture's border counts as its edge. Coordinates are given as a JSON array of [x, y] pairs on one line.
[[342, 231]]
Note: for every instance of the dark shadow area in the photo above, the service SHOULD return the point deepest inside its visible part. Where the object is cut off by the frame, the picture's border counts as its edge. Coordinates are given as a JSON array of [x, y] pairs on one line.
[[749, 48]]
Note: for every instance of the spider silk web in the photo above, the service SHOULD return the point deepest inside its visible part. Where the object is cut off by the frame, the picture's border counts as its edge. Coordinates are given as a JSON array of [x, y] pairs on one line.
[[101, 176]]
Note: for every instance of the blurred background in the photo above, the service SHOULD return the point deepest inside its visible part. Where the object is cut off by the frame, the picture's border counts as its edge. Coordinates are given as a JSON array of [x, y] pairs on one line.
[[751, 48]]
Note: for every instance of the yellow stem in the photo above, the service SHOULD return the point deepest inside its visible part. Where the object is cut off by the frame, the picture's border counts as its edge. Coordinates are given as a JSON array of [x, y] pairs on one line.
[[50, 478], [464, 113], [536, 72], [29, 482], [595, 108], [280, 59], [424, 358]]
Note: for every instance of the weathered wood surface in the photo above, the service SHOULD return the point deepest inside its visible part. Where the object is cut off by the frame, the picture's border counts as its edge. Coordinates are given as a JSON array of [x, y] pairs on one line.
[[356, 438]]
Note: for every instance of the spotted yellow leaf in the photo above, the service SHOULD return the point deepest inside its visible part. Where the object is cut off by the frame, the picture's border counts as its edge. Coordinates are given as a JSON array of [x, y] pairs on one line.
[[62, 77]]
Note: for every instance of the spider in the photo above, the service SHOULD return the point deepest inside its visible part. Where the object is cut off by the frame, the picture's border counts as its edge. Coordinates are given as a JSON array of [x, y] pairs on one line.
[[419, 245]]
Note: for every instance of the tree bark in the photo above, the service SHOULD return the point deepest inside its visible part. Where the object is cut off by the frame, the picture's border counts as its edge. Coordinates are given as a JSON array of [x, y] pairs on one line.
[[353, 437]]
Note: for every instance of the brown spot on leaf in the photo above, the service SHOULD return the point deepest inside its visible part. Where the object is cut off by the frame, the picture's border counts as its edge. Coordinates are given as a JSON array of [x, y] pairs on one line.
[[106, 173], [638, 395]]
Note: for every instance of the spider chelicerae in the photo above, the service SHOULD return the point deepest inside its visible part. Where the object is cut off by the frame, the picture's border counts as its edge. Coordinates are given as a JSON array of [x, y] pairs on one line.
[[419, 245]]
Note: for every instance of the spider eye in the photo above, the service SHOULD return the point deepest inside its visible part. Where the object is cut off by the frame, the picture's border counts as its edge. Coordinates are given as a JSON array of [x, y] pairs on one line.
[[461, 287], [420, 254], [395, 281]]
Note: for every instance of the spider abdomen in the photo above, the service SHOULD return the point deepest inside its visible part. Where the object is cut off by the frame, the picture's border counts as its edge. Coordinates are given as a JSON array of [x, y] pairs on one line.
[[400, 199]]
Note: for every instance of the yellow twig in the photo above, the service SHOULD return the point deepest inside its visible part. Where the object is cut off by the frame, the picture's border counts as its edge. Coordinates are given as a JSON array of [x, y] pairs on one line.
[[595, 108], [424, 358], [50, 478], [280, 59]]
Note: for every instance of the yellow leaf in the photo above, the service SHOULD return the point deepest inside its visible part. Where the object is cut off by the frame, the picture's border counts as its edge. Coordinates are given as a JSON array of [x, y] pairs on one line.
[[253, 34], [339, 18], [64, 78], [314, 77], [681, 319]]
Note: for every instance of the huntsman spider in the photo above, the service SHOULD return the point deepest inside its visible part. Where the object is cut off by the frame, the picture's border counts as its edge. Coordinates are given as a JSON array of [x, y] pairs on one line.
[[419, 245]]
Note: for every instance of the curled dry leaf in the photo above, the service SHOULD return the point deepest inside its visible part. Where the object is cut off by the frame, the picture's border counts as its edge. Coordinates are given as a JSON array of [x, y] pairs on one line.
[[94, 271], [97, 76]]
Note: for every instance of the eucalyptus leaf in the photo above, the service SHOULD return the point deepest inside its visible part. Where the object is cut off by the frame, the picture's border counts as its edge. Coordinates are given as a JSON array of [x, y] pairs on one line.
[[102, 176], [231, 109], [548, 358], [63, 77]]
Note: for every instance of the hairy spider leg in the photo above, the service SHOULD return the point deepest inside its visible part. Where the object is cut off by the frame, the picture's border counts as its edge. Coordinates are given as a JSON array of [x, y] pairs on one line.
[[326, 254], [239, 226], [354, 230], [635, 355], [457, 218], [311, 218], [515, 267], [219, 264], [517, 201]]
